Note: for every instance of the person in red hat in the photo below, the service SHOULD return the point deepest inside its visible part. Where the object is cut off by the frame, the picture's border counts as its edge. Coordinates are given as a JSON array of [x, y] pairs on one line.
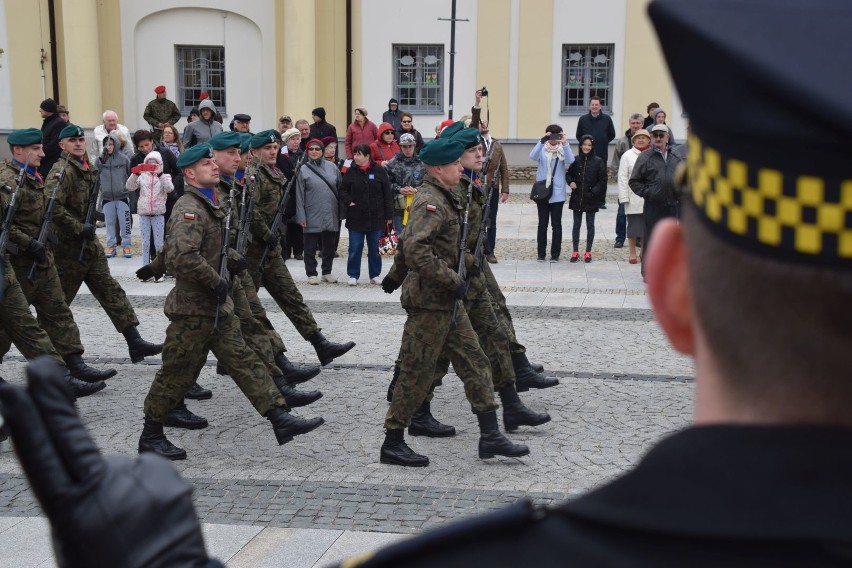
[[160, 112]]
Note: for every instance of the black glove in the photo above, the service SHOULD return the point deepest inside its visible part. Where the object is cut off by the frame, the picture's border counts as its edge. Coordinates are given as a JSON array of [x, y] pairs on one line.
[[221, 290], [103, 512], [389, 285], [241, 265], [461, 291], [87, 231], [273, 241], [37, 249], [146, 273], [474, 271]]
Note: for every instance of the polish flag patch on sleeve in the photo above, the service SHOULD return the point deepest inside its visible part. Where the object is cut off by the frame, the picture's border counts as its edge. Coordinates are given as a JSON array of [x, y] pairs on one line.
[[431, 208], [190, 216]]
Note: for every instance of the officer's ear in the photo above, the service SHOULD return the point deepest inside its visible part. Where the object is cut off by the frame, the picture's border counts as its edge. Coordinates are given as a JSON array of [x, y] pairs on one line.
[[668, 278]]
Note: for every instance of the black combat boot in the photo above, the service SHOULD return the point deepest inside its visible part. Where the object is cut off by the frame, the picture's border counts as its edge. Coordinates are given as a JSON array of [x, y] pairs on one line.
[[526, 378], [182, 417], [328, 351], [516, 414], [392, 384], [493, 443], [396, 452], [79, 370], [4, 432], [424, 424], [197, 392], [286, 425], [79, 388], [295, 398], [295, 375], [138, 347], [537, 367], [153, 440], [221, 370]]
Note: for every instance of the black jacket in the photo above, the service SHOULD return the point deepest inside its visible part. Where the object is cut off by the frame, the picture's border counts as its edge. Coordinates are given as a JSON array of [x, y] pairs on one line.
[[320, 130], [589, 173], [600, 128], [366, 197], [50, 129], [653, 177]]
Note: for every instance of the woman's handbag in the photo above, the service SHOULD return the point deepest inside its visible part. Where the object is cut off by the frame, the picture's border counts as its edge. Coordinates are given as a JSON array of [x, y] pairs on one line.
[[541, 192], [388, 241]]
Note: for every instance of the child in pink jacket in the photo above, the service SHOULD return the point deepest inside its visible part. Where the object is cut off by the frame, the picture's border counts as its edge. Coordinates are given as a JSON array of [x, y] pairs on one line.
[[153, 186]]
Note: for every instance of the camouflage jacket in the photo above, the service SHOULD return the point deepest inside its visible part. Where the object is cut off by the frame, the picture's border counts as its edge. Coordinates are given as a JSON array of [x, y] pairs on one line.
[[268, 189], [192, 251], [159, 111], [474, 220], [72, 201], [432, 248], [30, 208], [403, 172]]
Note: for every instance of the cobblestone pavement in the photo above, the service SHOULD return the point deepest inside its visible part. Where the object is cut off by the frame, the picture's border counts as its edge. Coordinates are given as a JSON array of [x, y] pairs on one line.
[[324, 496]]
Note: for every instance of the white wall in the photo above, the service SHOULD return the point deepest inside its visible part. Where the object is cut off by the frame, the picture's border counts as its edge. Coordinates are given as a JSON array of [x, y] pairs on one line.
[[5, 77], [386, 22], [151, 29]]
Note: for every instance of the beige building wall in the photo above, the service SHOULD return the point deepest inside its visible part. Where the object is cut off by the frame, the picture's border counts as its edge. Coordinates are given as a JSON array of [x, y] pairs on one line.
[[534, 69], [299, 57], [79, 61], [109, 47], [492, 64], [28, 33], [646, 77], [331, 60]]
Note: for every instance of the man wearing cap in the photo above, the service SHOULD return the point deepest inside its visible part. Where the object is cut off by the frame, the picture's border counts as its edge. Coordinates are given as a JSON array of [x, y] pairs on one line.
[[406, 172], [321, 128], [285, 123], [274, 275], [653, 180], [45, 290], [430, 289], [160, 112], [242, 123], [76, 234], [52, 124], [193, 249]]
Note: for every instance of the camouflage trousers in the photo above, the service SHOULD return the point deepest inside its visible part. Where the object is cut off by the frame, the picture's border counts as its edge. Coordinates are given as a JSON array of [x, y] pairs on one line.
[[18, 322], [501, 310], [259, 312], [253, 331], [94, 271], [52, 313], [278, 281], [188, 340], [428, 334]]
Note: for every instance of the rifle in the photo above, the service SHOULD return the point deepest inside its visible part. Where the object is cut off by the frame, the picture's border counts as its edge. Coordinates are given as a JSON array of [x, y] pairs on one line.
[[462, 269], [45, 235], [223, 259], [244, 236], [5, 245], [92, 213], [277, 226]]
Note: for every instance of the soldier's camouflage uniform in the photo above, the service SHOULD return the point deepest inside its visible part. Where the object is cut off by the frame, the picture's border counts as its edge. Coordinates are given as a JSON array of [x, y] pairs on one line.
[[275, 277], [72, 201], [45, 291], [160, 110], [431, 252], [192, 250]]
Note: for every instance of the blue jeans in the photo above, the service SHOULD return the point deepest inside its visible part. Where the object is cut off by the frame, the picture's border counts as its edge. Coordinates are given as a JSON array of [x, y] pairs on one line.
[[117, 212], [356, 249], [397, 223]]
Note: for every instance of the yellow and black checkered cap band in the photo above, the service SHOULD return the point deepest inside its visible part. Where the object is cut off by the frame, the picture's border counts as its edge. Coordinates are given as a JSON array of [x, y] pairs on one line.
[[802, 218]]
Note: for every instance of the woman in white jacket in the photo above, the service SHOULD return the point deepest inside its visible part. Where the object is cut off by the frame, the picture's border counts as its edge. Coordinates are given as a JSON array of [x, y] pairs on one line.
[[633, 204], [153, 186]]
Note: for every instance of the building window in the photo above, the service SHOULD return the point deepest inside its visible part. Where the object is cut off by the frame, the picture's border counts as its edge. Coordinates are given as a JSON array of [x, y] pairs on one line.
[[586, 72], [200, 68], [418, 72]]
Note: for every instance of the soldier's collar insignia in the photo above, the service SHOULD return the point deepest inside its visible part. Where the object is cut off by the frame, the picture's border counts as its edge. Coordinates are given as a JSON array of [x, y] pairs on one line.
[[190, 216], [431, 208]]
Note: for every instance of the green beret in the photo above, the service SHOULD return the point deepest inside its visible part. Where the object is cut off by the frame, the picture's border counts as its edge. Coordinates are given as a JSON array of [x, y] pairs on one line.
[[245, 142], [261, 139], [441, 152], [452, 129], [24, 137], [225, 140], [467, 137], [71, 131], [189, 157]]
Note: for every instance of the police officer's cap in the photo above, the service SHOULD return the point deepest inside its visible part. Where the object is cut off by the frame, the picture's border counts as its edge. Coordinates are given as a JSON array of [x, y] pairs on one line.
[[245, 142], [225, 140], [194, 154], [467, 137], [24, 137], [768, 164], [242, 117], [441, 151], [71, 131], [261, 139]]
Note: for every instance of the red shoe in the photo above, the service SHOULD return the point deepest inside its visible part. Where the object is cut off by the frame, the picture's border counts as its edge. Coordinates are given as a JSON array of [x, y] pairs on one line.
[[575, 256], [632, 261], [587, 257]]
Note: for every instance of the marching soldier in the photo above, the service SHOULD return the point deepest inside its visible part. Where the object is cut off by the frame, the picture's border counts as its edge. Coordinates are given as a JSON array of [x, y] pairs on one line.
[[429, 291], [274, 275], [77, 235], [192, 254], [44, 291]]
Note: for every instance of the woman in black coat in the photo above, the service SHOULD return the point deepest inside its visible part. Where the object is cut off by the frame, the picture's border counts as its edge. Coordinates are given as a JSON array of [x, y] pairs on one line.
[[587, 180], [365, 194]]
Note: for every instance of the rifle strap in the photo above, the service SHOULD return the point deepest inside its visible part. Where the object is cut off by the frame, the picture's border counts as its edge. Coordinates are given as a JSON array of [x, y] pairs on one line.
[[322, 177]]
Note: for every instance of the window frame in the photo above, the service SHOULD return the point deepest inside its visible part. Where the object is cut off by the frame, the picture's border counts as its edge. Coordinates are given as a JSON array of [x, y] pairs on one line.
[[184, 93], [587, 65], [419, 86]]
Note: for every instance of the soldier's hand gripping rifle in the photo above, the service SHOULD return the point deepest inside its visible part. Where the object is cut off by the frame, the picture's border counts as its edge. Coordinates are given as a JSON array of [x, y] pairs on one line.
[[223, 259], [92, 213], [45, 234], [244, 236], [462, 269], [277, 226], [5, 245]]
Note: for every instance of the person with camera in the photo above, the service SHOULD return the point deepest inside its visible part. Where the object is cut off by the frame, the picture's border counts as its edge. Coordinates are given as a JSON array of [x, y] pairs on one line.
[[553, 155]]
